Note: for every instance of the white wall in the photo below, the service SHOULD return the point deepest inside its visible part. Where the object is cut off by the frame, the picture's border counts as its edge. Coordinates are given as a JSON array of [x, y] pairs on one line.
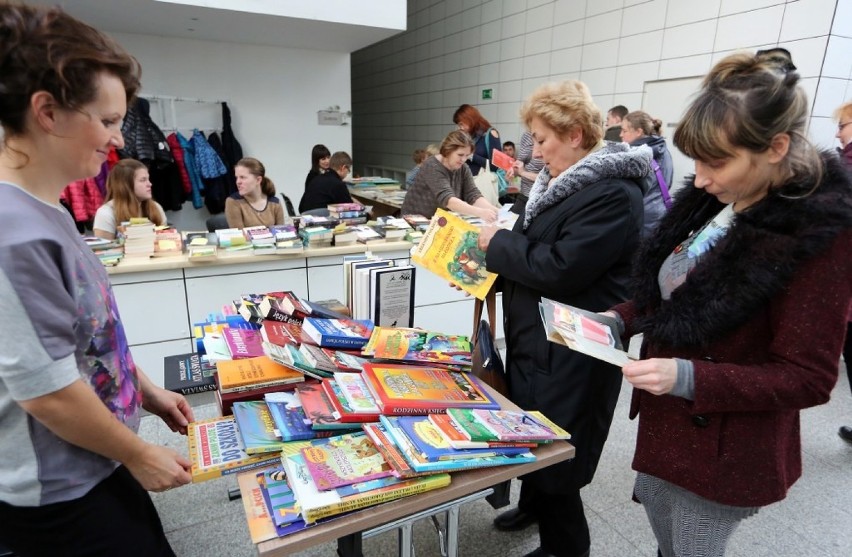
[[274, 94], [406, 88]]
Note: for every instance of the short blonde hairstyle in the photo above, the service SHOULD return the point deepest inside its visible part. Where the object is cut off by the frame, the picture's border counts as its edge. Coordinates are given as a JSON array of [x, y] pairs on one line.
[[843, 111], [564, 107]]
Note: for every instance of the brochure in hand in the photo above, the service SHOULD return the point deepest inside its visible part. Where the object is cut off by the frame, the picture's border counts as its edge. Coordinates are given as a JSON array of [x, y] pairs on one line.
[[593, 334]]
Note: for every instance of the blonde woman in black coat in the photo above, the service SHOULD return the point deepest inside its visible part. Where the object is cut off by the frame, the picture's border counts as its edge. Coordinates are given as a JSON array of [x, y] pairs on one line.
[[573, 243]]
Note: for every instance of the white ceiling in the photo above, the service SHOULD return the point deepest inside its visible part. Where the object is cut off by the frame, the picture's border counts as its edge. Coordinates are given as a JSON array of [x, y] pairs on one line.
[[152, 17]]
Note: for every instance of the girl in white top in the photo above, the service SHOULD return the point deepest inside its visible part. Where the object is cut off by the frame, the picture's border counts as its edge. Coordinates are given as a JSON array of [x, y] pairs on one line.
[[128, 195]]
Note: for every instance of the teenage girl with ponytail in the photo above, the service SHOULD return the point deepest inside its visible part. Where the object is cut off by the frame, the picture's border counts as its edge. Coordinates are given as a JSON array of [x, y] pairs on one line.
[[254, 203]]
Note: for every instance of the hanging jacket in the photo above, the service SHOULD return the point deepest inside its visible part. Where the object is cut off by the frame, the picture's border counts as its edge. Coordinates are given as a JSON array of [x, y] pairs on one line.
[[143, 140], [192, 170], [231, 148], [84, 198], [177, 153], [207, 162]]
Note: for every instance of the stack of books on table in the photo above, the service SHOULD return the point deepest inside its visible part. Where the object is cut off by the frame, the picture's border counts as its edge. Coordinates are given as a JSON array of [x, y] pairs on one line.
[[261, 239], [200, 246], [348, 213], [167, 242], [287, 238], [316, 236], [139, 237], [232, 239], [109, 252]]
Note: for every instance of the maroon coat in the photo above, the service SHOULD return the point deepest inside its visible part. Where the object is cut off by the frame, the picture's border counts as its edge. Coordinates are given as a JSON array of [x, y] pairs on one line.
[[762, 317]]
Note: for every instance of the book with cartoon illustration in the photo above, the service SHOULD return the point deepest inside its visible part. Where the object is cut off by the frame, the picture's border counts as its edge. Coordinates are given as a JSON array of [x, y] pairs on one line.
[[344, 460], [418, 346], [449, 249]]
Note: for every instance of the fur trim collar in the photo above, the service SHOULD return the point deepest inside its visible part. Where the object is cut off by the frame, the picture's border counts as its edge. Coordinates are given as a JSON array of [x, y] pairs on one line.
[[613, 160], [751, 264]]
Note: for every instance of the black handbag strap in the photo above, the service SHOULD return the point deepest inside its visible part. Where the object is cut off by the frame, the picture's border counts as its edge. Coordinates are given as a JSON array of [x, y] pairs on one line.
[[491, 303]]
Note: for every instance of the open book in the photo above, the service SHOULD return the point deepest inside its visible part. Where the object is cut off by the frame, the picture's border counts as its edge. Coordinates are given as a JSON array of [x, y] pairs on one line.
[[591, 333]]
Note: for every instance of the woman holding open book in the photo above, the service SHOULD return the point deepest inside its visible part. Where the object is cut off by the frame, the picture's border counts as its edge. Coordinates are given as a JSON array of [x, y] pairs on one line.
[[75, 476], [742, 294], [574, 243]]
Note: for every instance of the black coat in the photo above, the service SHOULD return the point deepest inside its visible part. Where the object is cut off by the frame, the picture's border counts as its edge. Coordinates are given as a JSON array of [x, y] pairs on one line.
[[577, 251]]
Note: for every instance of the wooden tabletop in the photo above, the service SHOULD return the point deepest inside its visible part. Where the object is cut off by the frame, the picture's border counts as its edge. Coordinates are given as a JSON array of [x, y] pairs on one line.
[[463, 483]]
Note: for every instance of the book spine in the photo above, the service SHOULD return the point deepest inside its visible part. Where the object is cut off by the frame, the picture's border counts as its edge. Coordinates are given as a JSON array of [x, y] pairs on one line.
[[257, 386], [226, 469], [195, 389], [370, 499]]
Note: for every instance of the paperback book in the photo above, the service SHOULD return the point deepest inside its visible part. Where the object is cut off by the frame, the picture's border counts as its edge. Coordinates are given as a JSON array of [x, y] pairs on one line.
[[449, 249], [278, 496], [254, 373], [343, 411], [216, 449], [457, 438], [392, 454], [337, 333], [257, 427], [431, 445], [503, 425], [188, 374], [418, 346], [401, 389], [291, 424], [260, 524], [243, 343], [318, 504], [356, 392], [343, 460], [318, 409]]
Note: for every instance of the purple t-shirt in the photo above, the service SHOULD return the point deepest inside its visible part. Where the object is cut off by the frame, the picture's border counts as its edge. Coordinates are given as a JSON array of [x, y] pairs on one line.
[[58, 323]]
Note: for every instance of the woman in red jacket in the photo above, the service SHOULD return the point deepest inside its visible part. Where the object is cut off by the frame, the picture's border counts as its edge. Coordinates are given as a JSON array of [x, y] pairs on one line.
[[742, 296]]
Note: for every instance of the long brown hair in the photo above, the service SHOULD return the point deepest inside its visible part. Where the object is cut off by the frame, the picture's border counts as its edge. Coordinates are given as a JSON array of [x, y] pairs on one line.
[[125, 204], [256, 168]]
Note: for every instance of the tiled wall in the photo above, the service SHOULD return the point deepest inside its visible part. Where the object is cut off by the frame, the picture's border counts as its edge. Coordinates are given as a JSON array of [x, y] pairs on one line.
[[405, 89]]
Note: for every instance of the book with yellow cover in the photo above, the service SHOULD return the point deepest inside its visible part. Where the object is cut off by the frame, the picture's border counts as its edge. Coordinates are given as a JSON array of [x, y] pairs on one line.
[[235, 375], [418, 346], [216, 449], [449, 249]]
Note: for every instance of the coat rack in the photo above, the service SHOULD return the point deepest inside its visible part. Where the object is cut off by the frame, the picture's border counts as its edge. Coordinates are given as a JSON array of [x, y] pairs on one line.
[[208, 118]]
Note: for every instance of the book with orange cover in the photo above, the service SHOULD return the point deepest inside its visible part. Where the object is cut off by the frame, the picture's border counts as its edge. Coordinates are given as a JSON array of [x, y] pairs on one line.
[[401, 389], [248, 373]]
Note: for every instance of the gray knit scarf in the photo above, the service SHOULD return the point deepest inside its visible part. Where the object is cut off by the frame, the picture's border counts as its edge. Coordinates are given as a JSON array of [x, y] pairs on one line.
[[613, 160]]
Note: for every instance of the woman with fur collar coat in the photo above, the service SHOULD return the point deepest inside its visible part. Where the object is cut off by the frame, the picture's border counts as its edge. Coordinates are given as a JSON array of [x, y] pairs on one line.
[[742, 295], [573, 243]]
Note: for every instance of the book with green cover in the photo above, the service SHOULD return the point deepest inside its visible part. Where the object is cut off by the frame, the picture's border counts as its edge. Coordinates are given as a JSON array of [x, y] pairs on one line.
[[257, 427]]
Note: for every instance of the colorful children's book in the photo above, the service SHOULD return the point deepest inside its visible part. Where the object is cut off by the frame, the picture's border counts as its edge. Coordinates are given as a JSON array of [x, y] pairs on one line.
[[337, 333], [281, 332], [278, 496], [251, 373], [216, 449], [317, 358], [317, 504], [457, 439], [188, 374], [418, 346], [318, 409], [502, 425], [449, 249], [227, 400], [260, 524], [243, 343], [393, 455], [420, 464], [431, 445], [257, 427], [342, 410], [219, 322], [291, 424], [345, 361], [356, 392], [343, 460], [401, 389]]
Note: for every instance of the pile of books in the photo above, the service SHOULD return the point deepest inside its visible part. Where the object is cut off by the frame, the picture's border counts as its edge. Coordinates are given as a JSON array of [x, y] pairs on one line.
[[139, 237], [200, 246], [338, 414], [287, 239], [167, 241], [109, 252], [348, 213]]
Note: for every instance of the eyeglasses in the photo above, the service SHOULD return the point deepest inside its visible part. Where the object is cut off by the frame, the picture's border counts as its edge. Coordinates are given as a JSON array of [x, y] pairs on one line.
[[843, 125]]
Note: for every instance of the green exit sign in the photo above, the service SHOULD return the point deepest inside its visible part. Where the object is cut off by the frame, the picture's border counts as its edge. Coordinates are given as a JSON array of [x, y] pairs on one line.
[[486, 93]]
